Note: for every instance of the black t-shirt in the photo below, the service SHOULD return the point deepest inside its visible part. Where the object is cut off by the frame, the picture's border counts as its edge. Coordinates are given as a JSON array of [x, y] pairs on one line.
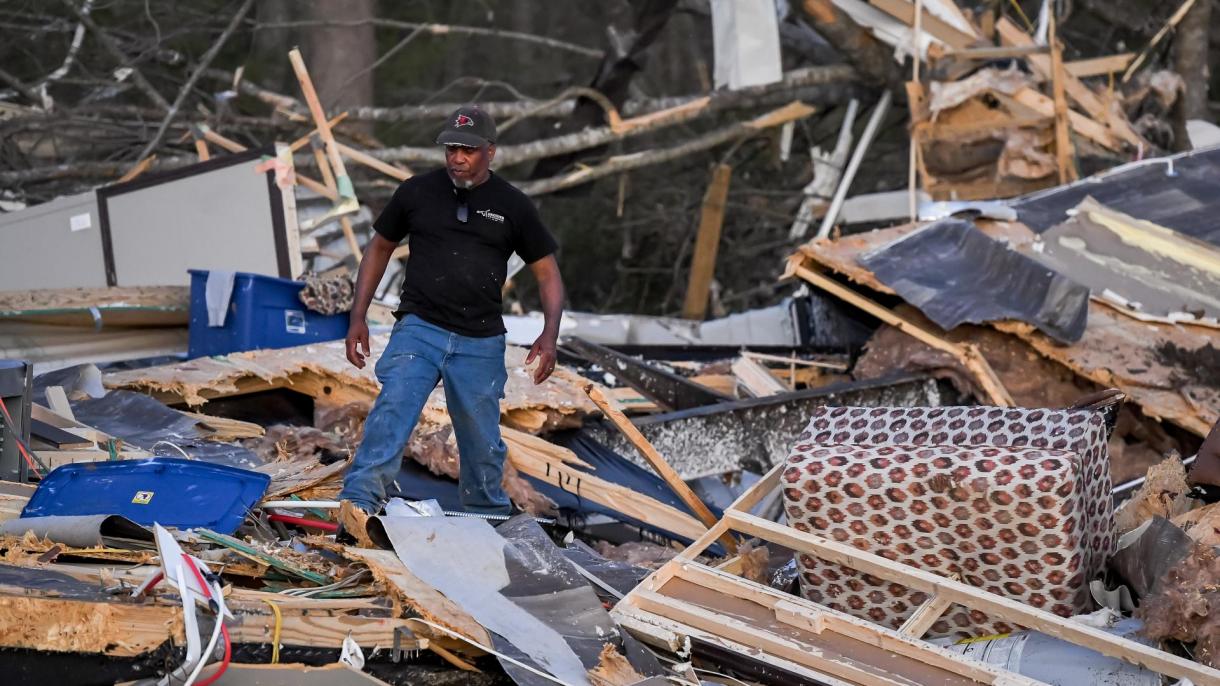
[[455, 272]]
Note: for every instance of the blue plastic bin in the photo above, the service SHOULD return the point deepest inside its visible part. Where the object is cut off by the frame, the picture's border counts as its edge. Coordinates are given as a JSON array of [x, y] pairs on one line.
[[264, 312]]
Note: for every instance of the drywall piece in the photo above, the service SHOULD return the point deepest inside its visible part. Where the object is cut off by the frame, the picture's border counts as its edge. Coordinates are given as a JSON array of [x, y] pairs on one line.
[[429, 547], [228, 213], [57, 244], [746, 38]]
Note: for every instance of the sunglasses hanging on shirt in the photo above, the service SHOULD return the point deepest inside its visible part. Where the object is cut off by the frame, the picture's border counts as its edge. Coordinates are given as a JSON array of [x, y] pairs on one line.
[[463, 210]]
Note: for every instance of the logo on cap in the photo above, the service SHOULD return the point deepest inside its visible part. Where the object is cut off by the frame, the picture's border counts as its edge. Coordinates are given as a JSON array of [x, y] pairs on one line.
[[462, 120]]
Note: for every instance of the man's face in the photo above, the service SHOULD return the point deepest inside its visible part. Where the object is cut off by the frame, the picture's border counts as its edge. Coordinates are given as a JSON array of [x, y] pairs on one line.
[[468, 166]]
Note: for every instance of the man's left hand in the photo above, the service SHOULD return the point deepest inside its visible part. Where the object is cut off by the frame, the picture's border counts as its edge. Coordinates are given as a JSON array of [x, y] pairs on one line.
[[543, 351]]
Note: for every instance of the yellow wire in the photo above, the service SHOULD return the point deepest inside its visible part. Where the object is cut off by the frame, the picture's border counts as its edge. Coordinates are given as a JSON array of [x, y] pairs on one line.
[[1017, 6], [275, 634]]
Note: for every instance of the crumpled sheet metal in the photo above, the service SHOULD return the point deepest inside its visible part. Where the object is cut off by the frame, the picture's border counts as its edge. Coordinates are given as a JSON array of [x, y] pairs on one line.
[[954, 274], [79, 531]]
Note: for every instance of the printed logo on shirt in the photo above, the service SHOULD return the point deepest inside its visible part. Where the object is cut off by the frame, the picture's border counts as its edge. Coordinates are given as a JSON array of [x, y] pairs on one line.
[[488, 214], [462, 120]]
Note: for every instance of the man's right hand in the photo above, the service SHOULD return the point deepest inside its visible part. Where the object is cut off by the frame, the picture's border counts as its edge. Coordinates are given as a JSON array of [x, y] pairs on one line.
[[358, 343]]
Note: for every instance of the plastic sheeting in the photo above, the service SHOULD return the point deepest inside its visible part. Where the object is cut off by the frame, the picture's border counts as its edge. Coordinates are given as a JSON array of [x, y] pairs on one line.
[[955, 274]]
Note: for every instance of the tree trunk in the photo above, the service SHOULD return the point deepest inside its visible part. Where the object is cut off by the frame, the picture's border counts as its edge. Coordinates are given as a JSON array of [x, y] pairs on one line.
[[873, 59], [337, 54], [1190, 59]]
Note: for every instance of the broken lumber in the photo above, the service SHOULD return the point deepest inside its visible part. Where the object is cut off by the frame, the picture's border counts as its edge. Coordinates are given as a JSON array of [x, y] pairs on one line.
[[526, 457], [658, 463], [966, 354], [707, 244]]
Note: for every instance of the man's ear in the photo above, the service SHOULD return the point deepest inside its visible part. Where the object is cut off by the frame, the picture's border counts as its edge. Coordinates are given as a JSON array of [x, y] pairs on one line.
[[491, 151]]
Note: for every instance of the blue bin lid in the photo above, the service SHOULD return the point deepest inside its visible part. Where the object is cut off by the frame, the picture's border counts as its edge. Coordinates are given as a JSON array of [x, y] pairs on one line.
[[165, 490]]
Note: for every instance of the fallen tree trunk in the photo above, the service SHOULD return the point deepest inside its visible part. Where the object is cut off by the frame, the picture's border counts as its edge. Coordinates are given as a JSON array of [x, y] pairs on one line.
[[707, 141], [681, 110]]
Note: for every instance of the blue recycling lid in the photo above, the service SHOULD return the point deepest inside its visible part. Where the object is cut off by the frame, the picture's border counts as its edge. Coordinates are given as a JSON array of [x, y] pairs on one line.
[[169, 491]]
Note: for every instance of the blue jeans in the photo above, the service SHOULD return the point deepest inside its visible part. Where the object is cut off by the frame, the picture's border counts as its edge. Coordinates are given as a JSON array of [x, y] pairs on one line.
[[418, 355]]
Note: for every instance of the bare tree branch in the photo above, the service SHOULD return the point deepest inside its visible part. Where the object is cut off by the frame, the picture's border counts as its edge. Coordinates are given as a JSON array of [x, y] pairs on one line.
[[680, 111], [117, 53], [190, 82], [440, 30], [17, 85], [622, 163]]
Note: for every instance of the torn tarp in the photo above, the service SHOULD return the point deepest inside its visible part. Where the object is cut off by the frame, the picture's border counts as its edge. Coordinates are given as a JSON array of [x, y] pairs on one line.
[[956, 274]]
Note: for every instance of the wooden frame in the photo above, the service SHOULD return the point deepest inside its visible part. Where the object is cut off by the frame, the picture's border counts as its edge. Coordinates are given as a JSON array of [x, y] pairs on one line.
[[789, 635]]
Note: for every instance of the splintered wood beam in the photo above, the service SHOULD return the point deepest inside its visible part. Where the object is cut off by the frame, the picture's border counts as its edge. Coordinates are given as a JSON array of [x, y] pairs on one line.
[[390, 170], [551, 466], [138, 169], [943, 31], [1099, 66], [117, 629], [319, 117], [666, 472], [1082, 95], [707, 243], [304, 140], [1064, 157], [967, 354]]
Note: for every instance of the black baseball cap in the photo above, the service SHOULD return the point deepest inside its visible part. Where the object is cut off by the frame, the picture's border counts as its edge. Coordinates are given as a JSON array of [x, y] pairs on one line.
[[469, 126]]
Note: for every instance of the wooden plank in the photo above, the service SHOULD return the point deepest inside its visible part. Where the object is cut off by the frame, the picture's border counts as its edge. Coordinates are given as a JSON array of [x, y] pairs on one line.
[[905, 12], [57, 399], [114, 628], [328, 180], [666, 472], [1045, 106], [1064, 155], [312, 628], [1082, 95], [619, 498], [138, 169], [201, 149], [809, 616], [804, 654], [373, 163], [56, 437], [967, 354], [925, 616], [996, 606], [1099, 66], [994, 53], [756, 379], [707, 244], [319, 117]]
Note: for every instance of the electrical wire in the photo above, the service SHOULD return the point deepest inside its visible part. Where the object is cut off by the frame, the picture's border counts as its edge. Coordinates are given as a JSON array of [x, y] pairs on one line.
[[21, 447], [174, 446], [275, 634], [217, 601], [488, 649]]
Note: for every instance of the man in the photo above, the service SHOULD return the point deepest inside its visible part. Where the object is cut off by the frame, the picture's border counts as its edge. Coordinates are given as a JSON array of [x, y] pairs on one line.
[[462, 223]]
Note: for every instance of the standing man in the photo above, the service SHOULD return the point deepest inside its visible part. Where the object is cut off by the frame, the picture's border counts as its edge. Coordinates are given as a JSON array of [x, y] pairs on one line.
[[462, 223]]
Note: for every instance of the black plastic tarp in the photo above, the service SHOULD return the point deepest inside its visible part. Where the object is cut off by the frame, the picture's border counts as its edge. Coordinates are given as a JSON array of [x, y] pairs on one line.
[[955, 274]]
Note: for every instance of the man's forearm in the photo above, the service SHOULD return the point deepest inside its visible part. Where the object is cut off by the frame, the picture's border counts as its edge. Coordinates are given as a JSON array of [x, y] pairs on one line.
[[551, 293], [372, 268]]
